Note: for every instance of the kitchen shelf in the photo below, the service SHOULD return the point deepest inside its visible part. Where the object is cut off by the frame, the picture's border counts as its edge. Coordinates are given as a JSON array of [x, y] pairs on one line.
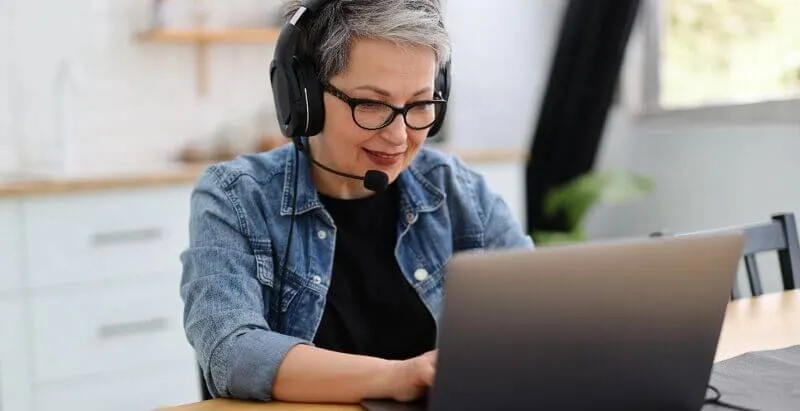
[[194, 36], [201, 38]]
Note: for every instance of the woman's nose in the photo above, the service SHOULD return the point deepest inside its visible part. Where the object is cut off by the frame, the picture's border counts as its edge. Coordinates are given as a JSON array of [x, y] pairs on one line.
[[396, 132]]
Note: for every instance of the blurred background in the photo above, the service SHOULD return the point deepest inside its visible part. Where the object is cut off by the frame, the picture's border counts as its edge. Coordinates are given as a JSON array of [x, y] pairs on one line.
[[593, 119]]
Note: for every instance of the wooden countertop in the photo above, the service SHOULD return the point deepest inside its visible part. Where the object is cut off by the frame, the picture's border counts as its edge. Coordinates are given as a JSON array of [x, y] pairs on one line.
[[156, 175], [768, 322], [176, 174]]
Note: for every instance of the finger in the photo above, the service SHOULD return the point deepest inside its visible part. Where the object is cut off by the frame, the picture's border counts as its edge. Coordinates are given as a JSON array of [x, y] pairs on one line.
[[428, 375]]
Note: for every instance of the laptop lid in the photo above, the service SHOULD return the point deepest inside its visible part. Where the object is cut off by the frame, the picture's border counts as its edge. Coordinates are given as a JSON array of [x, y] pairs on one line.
[[618, 325]]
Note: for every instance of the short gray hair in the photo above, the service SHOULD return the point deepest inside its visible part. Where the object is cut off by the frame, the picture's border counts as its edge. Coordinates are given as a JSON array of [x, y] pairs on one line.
[[332, 29]]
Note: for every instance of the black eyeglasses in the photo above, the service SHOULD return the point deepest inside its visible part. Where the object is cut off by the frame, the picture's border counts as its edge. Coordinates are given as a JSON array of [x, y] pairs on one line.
[[373, 114]]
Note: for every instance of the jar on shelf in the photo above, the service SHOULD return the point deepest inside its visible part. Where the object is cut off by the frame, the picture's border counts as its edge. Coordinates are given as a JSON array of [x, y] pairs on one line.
[[163, 14]]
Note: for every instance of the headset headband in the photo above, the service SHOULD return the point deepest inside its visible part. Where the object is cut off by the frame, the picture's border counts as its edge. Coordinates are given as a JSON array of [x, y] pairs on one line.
[[296, 90]]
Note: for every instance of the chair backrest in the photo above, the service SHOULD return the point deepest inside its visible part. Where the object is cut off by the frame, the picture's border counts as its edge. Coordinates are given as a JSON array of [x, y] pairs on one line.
[[779, 235]]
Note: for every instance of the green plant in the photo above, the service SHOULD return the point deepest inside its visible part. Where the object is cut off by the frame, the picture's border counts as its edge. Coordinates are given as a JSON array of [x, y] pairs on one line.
[[576, 198]]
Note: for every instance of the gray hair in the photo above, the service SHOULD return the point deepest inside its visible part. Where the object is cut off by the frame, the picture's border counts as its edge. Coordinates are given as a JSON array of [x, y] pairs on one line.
[[332, 29]]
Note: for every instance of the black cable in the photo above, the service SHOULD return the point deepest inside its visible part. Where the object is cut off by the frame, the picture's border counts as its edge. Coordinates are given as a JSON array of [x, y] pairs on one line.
[[716, 401], [281, 272]]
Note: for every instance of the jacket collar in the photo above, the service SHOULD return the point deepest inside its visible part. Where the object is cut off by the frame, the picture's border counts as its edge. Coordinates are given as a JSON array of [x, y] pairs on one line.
[[417, 193]]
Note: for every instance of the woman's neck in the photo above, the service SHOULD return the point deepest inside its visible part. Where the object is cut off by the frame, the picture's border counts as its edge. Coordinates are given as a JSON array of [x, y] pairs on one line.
[[333, 185]]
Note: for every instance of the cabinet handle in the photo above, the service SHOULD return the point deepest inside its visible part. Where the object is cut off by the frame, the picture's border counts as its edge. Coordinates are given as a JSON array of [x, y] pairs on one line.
[[129, 236], [131, 328]]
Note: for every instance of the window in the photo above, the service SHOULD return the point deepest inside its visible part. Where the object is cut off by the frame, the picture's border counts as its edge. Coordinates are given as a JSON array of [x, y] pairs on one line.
[[721, 52]]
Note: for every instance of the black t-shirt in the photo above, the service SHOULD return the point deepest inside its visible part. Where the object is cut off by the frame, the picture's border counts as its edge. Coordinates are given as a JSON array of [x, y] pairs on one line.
[[371, 308]]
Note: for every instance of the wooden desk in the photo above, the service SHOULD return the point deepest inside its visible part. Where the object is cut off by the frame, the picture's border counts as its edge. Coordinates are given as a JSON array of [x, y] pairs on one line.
[[767, 322]]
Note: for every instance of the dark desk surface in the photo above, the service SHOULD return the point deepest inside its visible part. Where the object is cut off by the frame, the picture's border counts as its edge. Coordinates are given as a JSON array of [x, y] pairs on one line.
[[767, 322]]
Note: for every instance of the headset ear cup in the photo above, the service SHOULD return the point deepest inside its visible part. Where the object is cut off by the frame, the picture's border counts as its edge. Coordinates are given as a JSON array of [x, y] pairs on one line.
[[289, 99], [312, 97], [281, 96]]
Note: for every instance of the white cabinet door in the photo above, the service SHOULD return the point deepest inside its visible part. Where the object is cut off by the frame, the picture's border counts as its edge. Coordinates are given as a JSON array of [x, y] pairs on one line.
[[111, 328], [507, 179], [108, 235], [10, 239], [152, 389], [15, 383]]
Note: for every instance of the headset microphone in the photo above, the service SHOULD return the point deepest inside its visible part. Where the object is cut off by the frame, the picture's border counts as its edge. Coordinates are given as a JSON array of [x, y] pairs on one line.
[[374, 180]]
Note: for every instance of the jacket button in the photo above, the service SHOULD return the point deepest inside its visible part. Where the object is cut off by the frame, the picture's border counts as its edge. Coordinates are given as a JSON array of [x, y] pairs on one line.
[[421, 274], [321, 234], [410, 217], [316, 279]]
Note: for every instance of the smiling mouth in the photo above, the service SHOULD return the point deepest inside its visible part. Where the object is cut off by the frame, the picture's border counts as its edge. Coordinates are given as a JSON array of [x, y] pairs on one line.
[[388, 156]]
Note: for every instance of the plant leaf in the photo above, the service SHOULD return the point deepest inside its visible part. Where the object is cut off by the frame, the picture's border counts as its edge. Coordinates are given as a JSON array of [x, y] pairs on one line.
[[543, 238], [578, 196]]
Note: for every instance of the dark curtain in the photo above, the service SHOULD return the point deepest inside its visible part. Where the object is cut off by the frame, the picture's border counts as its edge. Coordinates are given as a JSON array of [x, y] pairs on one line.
[[581, 87]]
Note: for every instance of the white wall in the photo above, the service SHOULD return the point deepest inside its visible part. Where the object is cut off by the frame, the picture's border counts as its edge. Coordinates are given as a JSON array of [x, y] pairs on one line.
[[137, 102], [7, 154], [705, 175], [502, 55]]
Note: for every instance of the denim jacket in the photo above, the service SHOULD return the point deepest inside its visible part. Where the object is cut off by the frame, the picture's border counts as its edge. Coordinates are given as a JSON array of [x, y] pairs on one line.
[[239, 224]]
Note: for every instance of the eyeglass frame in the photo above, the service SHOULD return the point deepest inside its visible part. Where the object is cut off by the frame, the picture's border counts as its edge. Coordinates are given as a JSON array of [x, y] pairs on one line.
[[354, 102]]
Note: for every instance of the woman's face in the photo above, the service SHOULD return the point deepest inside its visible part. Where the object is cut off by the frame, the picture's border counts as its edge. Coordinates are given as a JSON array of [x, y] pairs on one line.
[[382, 71]]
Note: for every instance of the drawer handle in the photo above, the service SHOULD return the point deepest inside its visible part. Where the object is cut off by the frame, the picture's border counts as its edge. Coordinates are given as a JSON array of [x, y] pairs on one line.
[[132, 328], [129, 236]]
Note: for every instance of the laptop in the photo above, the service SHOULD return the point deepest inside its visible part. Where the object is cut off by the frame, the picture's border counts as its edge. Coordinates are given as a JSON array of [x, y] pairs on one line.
[[622, 325]]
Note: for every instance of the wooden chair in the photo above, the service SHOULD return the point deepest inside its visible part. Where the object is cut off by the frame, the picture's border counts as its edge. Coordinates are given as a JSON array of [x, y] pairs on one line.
[[779, 235]]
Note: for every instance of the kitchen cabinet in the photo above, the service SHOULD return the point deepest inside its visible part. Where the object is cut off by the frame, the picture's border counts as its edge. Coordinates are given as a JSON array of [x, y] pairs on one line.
[[157, 388], [15, 388], [15, 383], [90, 308], [106, 235], [10, 234], [108, 328]]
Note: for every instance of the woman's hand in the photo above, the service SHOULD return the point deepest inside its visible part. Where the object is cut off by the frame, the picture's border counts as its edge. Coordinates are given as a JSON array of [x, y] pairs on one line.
[[346, 378], [410, 379]]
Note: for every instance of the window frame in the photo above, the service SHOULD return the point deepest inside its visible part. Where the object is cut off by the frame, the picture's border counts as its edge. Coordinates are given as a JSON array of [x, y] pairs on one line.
[[640, 85]]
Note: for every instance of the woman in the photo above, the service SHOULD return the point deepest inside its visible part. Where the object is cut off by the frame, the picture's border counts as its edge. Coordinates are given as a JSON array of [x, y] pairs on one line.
[[353, 313]]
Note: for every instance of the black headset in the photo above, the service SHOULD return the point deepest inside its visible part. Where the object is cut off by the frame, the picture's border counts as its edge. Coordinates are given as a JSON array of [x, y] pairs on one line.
[[297, 90]]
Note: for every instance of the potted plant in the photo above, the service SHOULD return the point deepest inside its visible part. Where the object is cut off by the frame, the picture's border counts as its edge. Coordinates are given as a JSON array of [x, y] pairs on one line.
[[576, 198]]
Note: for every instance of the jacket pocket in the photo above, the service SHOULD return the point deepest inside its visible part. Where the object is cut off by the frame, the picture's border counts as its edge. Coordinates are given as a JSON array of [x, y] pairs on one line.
[[268, 274]]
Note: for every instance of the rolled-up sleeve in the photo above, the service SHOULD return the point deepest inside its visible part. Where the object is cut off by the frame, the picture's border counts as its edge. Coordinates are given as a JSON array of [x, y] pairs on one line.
[[224, 303]]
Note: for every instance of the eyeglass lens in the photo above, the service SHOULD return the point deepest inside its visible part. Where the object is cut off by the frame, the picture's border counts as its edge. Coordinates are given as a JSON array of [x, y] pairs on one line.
[[376, 115]]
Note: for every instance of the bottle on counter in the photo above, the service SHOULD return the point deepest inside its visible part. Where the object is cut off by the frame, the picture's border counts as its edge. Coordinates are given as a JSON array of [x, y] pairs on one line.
[[162, 14]]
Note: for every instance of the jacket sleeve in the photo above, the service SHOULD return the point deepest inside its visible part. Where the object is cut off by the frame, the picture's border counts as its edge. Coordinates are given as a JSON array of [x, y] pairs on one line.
[[224, 302], [501, 228]]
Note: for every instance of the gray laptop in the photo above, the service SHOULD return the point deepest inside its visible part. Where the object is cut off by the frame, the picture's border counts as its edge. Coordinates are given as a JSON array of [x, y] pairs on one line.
[[622, 325]]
